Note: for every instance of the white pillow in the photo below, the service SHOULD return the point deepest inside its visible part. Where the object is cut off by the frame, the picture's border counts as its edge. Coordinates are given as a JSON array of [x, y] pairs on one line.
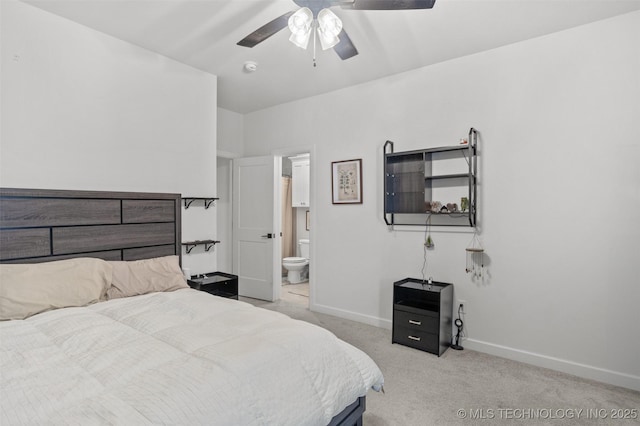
[[145, 276], [28, 289]]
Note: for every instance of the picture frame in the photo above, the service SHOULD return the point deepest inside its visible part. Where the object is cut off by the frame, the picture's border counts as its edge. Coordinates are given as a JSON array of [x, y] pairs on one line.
[[308, 221], [346, 182]]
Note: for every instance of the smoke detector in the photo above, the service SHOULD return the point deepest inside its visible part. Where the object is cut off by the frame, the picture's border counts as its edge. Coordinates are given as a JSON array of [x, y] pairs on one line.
[[250, 66]]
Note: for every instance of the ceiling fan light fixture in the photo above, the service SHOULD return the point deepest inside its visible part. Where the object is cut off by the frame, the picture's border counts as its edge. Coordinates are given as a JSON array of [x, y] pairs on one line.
[[300, 40], [329, 26], [300, 27], [327, 41]]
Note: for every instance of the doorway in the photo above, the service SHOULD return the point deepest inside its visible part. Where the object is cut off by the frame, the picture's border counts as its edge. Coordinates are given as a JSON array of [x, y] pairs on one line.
[[303, 218], [295, 228]]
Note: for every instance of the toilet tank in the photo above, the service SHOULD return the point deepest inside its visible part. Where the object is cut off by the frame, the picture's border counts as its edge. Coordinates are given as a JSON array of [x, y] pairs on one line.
[[303, 243]]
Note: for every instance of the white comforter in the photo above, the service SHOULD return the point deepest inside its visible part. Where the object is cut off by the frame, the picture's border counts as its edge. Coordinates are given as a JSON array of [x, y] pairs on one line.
[[178, 358]]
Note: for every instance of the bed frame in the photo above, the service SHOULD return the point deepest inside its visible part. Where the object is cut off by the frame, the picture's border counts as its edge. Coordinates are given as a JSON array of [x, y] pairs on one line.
[[40, 225]]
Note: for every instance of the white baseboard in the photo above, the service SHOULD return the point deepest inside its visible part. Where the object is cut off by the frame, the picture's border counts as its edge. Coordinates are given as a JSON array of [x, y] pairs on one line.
[[581, 370], [353, 316]]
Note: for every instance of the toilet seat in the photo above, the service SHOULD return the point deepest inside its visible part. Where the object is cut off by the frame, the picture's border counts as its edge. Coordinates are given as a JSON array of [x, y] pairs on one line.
[[294, 259]]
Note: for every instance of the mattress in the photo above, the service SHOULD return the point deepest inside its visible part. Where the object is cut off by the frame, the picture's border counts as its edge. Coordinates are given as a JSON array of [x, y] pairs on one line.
[[182, 357]]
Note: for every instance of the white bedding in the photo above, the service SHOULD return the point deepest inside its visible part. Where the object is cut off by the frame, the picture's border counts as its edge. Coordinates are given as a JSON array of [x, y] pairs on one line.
[[180, 358]]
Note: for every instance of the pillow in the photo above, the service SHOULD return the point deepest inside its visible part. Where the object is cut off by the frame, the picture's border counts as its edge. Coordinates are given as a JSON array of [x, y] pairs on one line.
[[28, 289], [145, 276]]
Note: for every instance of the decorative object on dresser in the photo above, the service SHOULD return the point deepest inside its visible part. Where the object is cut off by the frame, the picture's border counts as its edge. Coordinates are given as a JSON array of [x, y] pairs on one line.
[[422, 312], [216, 283]]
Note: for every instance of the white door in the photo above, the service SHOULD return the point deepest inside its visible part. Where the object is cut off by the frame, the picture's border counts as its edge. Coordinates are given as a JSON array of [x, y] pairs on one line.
[[254, 228]]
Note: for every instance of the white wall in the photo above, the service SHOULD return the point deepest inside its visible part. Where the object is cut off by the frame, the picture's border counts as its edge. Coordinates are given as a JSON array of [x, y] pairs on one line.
[[230, 145], [230, 133], [224, 250], [83, 110], [559, 194]]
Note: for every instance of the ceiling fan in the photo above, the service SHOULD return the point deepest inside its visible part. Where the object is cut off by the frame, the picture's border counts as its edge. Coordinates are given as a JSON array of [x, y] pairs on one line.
[[315, 14]]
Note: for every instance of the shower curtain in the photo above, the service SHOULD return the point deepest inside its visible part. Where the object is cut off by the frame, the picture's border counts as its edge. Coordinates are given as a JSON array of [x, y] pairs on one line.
[[288, 230]]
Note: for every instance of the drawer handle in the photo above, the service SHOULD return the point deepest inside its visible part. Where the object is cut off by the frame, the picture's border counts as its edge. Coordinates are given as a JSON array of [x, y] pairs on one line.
[[415, 322], [417, 339]]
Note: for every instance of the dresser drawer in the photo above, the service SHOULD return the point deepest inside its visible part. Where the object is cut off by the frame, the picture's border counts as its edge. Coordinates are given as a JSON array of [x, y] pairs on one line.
[[216, 283], [413, 321], [416, 339], [221, 289]]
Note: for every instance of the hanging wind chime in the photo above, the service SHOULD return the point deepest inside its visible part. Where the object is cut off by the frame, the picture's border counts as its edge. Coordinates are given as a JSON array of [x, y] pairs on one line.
[[427, 245], [428, 242], [475, 257]]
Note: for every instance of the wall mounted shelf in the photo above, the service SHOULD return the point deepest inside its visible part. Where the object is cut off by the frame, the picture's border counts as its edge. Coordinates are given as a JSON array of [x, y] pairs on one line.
[[190, 245], [458, 175], [414, 180], [207, 201], [206, 243]]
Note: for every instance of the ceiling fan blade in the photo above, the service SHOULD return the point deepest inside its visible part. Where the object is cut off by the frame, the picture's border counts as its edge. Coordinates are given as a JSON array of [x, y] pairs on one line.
[[345, 48], [386, 4], [266, 31]]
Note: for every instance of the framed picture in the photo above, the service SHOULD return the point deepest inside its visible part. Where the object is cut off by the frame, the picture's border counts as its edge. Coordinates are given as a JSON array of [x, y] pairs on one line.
[[308, 221], [346, 182]]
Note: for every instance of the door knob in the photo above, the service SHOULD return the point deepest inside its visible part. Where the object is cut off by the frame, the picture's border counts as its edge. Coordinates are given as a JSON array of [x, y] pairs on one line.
[[267, 236]]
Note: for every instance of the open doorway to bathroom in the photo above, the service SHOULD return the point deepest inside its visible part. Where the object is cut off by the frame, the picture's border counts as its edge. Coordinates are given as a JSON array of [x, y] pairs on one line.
[[295, 229]]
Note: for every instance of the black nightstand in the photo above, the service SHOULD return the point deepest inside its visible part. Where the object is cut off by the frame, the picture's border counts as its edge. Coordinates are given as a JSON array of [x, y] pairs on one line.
[[216, 283], [422, 315]]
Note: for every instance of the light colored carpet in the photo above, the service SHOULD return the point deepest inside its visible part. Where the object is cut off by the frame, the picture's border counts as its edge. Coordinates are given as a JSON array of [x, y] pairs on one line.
[[422, 389]]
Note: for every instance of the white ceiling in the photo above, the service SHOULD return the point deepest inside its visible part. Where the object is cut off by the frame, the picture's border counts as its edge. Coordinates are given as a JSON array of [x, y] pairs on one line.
[[204, 33]]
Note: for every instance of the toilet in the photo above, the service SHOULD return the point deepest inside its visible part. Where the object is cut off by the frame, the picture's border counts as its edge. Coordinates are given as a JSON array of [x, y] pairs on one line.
[[297, 267]]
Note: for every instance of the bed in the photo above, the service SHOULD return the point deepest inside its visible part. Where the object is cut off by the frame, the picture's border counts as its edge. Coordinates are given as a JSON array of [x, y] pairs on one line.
[[169, 355]]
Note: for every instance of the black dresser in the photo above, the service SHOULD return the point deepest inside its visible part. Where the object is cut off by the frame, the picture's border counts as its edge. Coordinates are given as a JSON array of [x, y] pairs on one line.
[[422, 314]]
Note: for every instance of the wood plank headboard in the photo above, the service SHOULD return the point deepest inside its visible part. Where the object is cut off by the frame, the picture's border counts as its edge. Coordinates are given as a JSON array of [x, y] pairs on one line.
[[39, 225]]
